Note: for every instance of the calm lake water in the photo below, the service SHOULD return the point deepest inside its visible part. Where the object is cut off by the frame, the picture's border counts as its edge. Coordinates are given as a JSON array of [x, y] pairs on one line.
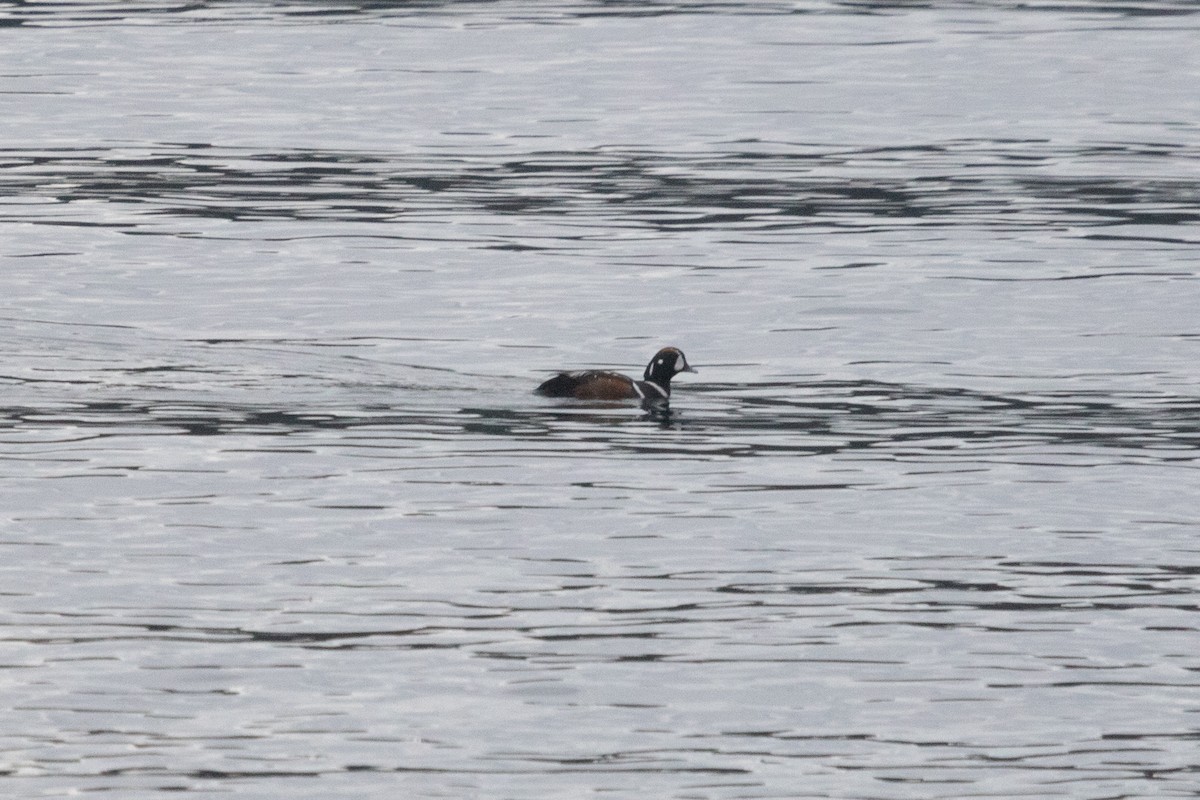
[[280, 516]]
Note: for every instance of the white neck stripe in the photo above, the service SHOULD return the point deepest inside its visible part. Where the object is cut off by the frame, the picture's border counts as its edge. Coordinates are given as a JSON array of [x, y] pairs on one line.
[[657, 388]]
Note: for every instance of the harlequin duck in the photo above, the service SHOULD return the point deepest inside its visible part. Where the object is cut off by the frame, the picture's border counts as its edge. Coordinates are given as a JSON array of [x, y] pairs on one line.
[[655, 387]]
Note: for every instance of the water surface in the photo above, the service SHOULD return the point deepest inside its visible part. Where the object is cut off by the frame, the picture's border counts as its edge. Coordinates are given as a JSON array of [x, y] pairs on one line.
[[282, 517]]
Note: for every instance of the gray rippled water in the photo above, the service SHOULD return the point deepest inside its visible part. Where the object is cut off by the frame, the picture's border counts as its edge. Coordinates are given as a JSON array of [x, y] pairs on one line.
[[282, 517]]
